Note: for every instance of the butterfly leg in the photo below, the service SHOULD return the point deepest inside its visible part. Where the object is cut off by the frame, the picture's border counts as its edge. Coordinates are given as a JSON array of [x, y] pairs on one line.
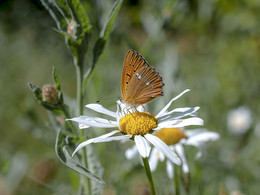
[[127, 111], [137, 112], [146, 109]]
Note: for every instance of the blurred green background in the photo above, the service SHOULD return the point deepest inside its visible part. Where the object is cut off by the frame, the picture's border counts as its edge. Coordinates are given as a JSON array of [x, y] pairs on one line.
[[209, 46]]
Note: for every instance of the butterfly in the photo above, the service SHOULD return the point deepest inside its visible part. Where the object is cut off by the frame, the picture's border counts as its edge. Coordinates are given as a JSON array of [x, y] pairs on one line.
[[140, 83]]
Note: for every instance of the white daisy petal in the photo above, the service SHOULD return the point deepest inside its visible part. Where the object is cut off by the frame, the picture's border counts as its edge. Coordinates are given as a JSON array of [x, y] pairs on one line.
[[180, 123], [83, 144], [125, 107], [169, 104], [170, 169], [180, 115], [115, 138], [165, 149], [95, 122], [153, 159], [131, 152], [198, 154], [92, 140], [180, 151], [142, 145], [193, 132], [201, 137], [99, 108], [176, 110], [82, 126]]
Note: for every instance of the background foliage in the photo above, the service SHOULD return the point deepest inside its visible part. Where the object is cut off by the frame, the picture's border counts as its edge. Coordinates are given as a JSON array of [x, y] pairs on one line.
[[209, 46]]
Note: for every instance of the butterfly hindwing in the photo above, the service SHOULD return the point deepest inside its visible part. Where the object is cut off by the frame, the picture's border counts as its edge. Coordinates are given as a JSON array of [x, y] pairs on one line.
[[145, 85]]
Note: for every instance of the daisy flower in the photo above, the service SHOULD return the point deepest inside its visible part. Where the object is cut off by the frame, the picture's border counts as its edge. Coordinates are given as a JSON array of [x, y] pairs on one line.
[[129, 124], [239, 120], [176, 138]]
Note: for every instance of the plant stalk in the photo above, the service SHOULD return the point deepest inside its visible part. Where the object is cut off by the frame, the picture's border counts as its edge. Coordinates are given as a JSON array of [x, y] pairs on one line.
[[176, 181], [149, 175], [79, 90], [80, 95], [67, 115]]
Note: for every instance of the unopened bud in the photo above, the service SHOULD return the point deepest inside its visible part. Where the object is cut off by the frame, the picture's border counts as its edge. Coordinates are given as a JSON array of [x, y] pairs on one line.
[[71, 30], [50, 94]]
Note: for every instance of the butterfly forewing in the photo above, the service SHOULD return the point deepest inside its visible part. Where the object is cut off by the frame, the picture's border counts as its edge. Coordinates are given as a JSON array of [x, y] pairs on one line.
[[140, 83], [132, 63]]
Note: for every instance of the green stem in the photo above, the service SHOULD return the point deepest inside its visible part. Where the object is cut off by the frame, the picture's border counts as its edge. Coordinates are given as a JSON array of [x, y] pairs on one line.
[[79, 90], [87, 76], [80, 95], [187, 184], [85, 162], [67, 115], [176, 181], [149, 175]]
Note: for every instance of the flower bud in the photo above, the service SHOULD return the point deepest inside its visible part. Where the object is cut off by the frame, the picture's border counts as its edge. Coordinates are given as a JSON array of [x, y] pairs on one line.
[[50, 94], [71, 29]]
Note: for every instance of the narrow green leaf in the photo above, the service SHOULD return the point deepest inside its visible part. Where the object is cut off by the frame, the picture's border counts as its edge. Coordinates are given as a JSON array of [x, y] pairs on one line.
[[63, 8], [111, 19], [56, 10], [80, 15], [98, 49], [100, 43], [96, 168], [61, 148], [56, 80], [57, 85], [37, 92]]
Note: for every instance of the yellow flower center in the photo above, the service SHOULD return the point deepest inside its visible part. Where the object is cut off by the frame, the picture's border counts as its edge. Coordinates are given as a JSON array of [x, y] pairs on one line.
[[138, 123], [170, 136]]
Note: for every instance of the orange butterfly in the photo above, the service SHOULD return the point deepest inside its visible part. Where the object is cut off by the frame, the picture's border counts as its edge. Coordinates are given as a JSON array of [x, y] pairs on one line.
[[140, 83]]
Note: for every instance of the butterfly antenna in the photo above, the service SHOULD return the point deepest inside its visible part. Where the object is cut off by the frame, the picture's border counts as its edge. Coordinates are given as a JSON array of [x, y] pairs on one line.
[[100, 100]]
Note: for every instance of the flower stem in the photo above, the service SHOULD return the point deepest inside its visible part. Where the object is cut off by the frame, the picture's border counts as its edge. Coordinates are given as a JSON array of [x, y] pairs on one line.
[[186, 182], [79, 90], [67, 115], [80, 95], [149, 175], [176, 181]]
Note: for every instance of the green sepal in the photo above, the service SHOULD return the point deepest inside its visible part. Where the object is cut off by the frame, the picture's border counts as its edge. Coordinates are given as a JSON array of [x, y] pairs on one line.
[[57, 85]]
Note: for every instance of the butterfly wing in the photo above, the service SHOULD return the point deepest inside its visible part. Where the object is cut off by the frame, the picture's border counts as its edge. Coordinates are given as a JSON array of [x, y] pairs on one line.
[[145, 85], [140, 83], [132, 63]]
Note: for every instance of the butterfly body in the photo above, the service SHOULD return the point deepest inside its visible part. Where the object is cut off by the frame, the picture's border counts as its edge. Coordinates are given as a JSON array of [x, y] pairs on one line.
[[140, 83]]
